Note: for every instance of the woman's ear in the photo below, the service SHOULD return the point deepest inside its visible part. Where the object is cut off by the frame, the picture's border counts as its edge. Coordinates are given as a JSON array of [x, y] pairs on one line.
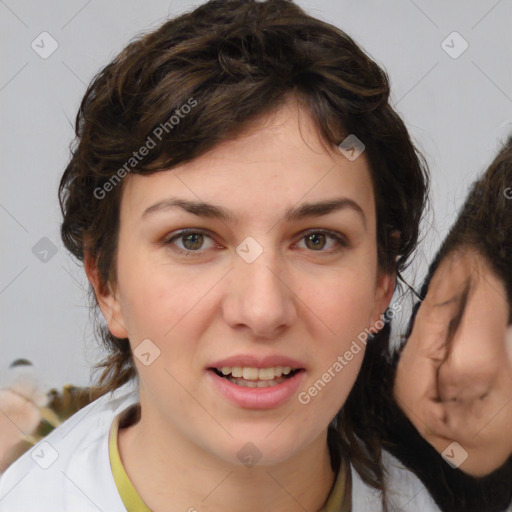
[[109, 304], [385, 287], [386, 280]]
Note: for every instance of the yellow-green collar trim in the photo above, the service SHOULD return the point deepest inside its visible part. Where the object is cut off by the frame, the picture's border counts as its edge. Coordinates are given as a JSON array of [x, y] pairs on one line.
[[129, 496], [335, 501], [133, 502]]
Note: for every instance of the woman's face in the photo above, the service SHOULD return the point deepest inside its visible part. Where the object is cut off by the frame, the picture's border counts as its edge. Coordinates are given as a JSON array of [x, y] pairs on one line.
[[246, 290], [454, 378]]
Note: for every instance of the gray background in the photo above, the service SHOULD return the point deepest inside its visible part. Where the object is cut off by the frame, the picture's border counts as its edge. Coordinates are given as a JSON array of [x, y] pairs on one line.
[[457, 110]]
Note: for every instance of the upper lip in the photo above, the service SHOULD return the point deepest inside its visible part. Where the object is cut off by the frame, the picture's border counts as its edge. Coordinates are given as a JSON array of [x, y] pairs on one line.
[[251, 361]]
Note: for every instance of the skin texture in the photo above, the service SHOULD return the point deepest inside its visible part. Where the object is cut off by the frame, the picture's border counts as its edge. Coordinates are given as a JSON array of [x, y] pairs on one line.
[[297, 299], [454, 377]]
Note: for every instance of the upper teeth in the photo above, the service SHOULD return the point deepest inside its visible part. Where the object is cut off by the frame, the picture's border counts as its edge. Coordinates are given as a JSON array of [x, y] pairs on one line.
[[255, 373]]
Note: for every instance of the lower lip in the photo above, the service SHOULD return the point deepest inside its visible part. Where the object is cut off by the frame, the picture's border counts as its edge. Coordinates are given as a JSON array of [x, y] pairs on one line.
[[258, 398]]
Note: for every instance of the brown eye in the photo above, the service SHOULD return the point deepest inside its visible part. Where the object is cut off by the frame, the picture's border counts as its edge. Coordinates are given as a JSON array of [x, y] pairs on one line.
[[317, 240], [192, 242]]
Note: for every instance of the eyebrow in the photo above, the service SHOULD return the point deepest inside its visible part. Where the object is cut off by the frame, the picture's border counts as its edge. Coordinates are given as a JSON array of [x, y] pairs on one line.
[[461, 299], [294, 213]]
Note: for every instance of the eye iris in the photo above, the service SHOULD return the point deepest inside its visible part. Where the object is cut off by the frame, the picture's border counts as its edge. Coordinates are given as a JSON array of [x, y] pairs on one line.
[[315, 236], [194, 237]]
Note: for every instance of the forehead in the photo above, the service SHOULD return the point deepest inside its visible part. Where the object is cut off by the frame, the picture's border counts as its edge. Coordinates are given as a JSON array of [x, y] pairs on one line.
[[276, 162]]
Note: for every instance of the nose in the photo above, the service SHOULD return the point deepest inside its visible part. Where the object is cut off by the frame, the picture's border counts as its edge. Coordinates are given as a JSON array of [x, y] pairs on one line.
[[258, 297], [470, 368]]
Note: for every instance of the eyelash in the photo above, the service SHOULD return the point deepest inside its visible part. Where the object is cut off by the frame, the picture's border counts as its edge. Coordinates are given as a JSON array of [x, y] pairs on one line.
[[341, 240]]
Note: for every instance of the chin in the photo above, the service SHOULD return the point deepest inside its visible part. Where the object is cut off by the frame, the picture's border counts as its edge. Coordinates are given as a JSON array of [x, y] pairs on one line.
[[251, 451]]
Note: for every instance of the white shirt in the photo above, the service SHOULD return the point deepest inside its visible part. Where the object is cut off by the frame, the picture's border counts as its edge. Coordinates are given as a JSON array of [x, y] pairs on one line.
[[69, 470]]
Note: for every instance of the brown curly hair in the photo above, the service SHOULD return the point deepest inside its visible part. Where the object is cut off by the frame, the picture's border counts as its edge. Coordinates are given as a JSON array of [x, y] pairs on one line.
[[237, 60]]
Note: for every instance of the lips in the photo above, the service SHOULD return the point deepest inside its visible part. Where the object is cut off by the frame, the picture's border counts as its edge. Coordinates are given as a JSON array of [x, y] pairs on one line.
[[256, 394]]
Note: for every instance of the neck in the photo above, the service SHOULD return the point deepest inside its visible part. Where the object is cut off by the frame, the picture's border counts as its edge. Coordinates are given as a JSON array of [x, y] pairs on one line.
[[188, 477]]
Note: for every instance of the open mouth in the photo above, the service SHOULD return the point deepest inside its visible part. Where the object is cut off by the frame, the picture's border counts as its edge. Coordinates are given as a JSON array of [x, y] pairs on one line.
[[256, 377]]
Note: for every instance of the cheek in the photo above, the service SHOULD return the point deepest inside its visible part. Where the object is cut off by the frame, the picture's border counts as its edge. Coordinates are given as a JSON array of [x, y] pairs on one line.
[[347, 305], [327, 389], [155, 297], [340, 343]]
